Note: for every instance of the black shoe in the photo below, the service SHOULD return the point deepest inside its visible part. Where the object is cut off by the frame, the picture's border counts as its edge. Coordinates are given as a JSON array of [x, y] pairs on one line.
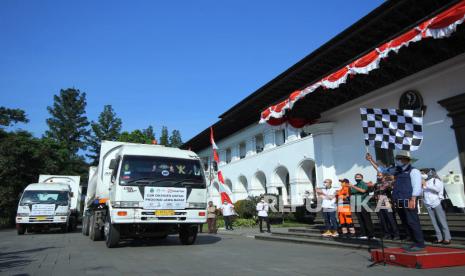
[[438, 241], [396, 238], [407, 246], [268, 231], [387, 237], [261, 231], [415, 249]]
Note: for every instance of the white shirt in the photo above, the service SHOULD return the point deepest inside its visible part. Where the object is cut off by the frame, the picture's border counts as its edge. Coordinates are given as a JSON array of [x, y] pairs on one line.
[[227, 209], [262, 208], [433, 193], [329, 198]]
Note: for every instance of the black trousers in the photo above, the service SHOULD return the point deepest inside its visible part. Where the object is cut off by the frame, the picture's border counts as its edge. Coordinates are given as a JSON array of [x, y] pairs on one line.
[[364, 220], [412, 221], [228, 222], [403, 219], [267, 220], [388, 223]]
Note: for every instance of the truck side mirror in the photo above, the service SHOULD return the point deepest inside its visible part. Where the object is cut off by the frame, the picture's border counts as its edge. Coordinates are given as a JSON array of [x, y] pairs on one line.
[[113, 164]]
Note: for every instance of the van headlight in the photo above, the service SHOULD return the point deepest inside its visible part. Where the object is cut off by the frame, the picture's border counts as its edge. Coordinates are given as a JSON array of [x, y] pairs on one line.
[[22, 214], [61, 214], [125, 204], [197, 205]]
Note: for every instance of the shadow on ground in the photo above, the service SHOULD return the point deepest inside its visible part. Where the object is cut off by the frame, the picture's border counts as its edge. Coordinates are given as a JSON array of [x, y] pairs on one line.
[[171, 240], [14, 259]]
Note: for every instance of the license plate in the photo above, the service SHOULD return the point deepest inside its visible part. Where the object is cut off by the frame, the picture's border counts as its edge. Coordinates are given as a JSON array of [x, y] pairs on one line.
[[164, 213], [41, 218]]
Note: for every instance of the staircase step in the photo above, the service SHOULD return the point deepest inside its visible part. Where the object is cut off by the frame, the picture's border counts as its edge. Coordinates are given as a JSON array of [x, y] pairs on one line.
[[313, 238]]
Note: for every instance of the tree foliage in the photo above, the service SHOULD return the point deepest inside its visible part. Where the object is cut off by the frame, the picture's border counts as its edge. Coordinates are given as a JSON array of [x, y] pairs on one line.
[[144, 136], [108, 127], [68, 122], [164, 138], [10, 116], [175, 139]]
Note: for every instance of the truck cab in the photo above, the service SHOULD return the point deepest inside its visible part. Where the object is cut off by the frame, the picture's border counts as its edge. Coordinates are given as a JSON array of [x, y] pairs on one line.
[[145, 191], [44, 206]]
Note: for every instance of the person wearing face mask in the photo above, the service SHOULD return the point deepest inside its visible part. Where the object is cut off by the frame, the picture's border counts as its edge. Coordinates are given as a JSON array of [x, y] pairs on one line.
[[262, 209], [406, 191], [385, 213], [359, 191], [390, 172], [328, 196], [343, 209], [433, 194]]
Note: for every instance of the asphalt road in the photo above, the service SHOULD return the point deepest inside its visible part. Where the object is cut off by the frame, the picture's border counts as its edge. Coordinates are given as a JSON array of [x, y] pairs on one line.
[[73, 254]]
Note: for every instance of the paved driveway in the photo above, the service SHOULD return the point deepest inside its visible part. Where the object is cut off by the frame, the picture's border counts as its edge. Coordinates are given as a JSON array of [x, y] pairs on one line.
[[223, 254]]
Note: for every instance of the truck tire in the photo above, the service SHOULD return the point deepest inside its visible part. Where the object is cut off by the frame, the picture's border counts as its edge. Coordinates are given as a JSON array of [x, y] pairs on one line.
[[111, 233], [95, 233], [21, 229], [64, 228], [85, 226], [188, 234]]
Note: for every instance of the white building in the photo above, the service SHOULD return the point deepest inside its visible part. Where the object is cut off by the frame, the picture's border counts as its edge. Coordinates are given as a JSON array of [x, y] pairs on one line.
[[259, 158]]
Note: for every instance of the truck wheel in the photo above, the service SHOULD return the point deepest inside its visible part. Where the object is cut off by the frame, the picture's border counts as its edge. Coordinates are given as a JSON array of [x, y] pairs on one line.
[[111, 232], [95, 233], [85, 226], [21, 229], [188, 234]]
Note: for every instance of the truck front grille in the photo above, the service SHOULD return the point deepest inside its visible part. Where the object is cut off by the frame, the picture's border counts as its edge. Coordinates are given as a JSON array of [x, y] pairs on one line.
[[41, 219]]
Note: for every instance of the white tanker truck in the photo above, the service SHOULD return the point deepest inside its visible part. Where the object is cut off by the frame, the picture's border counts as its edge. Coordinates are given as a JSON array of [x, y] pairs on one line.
[[141, 190]]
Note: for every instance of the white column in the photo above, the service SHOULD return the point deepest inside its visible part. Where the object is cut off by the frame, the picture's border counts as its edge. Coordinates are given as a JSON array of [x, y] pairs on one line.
[[323, 144], [297, 192], [235, 153], [250, 147], [292, 133], [268, 138], [222, 155]]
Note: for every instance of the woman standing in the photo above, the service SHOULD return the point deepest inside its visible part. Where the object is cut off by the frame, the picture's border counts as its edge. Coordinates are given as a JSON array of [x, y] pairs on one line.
[[433, 194]]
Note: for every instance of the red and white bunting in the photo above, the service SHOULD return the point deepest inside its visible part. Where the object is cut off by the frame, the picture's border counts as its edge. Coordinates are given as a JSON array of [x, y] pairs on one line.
[[440, 26]]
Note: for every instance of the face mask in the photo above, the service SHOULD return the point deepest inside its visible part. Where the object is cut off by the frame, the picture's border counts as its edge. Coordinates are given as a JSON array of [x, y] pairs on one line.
[[424, 176], [358, 180], [399, 163]]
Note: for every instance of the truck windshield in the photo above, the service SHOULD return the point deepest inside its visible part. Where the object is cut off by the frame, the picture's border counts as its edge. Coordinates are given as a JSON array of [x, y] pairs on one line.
[[44, 197], [146, 170]]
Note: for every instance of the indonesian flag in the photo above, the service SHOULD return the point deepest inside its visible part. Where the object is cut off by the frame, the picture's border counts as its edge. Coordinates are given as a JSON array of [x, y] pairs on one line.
[[222, 189], [214, 147]]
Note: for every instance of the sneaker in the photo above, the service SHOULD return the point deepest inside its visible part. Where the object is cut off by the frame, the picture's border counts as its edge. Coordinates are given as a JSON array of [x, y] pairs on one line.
[[415, 248], [327, 233], [363, 237], [334, 234]]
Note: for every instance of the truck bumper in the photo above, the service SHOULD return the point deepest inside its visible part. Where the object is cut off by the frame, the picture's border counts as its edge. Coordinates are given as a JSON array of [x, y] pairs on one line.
[[132, 215], [42, 220]]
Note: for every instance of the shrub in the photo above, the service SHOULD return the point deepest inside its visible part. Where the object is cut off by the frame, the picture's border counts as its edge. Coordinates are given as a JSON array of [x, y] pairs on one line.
[[245, 208], [240, 222]]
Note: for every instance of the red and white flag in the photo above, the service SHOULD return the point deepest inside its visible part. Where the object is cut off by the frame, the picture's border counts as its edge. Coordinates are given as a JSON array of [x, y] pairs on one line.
[[222, 187]]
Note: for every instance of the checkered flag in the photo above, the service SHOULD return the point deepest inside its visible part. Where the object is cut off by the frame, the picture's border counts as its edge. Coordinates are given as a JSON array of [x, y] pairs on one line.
[[392, 128]]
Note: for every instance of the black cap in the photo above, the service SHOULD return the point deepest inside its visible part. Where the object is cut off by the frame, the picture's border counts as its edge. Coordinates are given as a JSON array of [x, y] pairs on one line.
[[345, 180]]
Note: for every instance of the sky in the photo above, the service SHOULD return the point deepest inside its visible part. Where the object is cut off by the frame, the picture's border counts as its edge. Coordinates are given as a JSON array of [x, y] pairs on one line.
[[175, 63]]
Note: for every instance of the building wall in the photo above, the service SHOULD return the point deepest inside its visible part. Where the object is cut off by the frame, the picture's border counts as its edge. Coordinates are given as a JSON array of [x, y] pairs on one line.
[[439, 147], [335, 149]]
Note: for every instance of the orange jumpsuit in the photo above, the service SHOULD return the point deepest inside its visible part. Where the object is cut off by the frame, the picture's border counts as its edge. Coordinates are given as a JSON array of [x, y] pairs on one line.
[[343, 207]]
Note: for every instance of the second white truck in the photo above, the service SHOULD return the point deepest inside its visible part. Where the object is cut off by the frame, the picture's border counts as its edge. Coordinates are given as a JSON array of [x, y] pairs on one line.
[[141, 190], [53, 202]]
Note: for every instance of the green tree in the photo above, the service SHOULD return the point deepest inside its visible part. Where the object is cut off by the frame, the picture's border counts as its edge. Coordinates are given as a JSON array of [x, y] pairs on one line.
[[68, 123], [164, 138], [144, 136], [10, 116], [175, 139], [108, 127]]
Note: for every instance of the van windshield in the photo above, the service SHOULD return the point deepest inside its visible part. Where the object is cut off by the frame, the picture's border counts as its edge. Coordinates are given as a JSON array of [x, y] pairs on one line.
[[144, 170], [45, 197]]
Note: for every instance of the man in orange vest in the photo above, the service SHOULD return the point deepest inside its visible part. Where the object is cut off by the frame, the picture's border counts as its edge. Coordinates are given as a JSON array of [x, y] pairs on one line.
[[343, 209]]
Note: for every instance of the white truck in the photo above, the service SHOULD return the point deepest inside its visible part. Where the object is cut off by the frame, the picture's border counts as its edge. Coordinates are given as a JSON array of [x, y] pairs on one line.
[[141, 190], [52, 202]]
